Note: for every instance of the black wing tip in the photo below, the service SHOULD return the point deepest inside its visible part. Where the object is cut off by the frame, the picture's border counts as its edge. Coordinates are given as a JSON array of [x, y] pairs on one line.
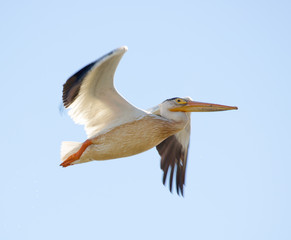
[[72, 86], [179, 186], [173, 157], [180, 179]]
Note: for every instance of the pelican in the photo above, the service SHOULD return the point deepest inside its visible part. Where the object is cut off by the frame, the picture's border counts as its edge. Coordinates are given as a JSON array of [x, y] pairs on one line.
[[116, 129]]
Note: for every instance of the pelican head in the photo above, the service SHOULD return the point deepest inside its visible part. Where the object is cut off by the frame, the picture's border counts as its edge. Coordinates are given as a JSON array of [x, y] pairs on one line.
[[178, 109]]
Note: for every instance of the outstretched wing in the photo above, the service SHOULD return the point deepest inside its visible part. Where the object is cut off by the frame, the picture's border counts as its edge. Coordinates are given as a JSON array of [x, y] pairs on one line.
[[92, 98], [174, 153]]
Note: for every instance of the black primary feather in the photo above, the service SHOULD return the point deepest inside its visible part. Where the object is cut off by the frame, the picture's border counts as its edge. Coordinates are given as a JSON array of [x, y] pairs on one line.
[[173, 157], [72, 86]]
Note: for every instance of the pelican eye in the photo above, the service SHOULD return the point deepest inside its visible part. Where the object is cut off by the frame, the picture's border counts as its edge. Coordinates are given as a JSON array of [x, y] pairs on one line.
[[180, 101]]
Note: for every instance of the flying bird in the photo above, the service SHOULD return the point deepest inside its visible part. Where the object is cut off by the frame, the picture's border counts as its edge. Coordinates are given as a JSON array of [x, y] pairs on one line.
[[115, 128]]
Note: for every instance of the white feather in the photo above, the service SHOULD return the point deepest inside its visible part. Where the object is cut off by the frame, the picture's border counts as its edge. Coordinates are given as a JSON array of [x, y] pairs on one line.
[[182, 136], [69, 148], [98, 105]]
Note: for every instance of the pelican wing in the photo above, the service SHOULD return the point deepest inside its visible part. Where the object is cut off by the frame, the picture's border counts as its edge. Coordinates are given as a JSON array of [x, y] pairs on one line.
[[92, 98], [174, 153]]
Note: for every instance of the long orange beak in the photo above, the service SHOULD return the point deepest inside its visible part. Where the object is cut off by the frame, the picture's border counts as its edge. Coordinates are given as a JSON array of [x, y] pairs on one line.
[[193, 106]]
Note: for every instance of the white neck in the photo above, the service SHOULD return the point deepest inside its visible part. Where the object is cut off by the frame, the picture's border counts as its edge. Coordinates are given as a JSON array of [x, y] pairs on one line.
[[181, 117]]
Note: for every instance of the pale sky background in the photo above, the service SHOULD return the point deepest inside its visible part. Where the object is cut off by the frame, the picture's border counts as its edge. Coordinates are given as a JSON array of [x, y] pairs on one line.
[[226, 52]]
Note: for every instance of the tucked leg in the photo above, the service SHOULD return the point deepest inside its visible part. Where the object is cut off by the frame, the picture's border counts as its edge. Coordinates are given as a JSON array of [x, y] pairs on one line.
[[76, 155]]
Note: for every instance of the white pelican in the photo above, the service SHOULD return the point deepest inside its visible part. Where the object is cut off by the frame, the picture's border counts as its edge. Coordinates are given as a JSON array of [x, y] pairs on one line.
[[117, 129]]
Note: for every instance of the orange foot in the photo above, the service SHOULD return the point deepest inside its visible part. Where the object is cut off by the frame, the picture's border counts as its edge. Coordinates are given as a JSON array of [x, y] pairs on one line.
[[77, 155]]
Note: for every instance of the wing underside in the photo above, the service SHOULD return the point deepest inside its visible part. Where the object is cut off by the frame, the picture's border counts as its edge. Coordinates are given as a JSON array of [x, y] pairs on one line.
[[174, 154], [92, 98]]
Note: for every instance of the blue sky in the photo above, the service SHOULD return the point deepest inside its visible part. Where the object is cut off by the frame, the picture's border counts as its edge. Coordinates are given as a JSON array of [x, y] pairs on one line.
[[226, 52]]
